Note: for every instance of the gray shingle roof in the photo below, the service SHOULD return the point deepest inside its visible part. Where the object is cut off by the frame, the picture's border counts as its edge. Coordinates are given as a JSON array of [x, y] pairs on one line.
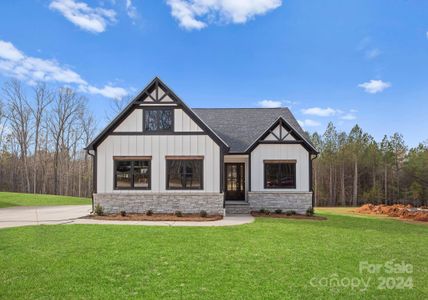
[[240, 127]]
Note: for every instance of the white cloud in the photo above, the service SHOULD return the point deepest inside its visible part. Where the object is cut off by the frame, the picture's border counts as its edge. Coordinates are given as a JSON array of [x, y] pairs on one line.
[[15, 63], [320, 112], [427, 34], [190, 12], [348, 117], [107, 91], [131, 10], [374, 86], [80, 14], [270, 103], [309, 123], [372, 53]]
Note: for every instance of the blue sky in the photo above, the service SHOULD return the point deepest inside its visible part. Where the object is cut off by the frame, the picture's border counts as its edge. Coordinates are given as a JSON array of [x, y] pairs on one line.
[[349, 62]]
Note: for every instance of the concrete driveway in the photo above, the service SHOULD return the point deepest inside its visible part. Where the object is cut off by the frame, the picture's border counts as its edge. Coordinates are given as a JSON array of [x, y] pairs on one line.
[[37, 215]]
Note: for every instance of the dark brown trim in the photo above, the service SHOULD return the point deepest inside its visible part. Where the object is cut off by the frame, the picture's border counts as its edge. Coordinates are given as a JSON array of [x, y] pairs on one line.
[[167, 162], [149, 186], [221, 187], [123, 133], [184, 157], [282, 142], [132, 158], [279, 161], [249, 172], [280, 188]]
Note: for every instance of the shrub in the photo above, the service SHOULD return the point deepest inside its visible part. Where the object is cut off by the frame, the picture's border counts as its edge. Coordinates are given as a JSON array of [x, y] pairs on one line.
[[310, 211], [149, 212], [290, 212], [99, 211], [203, 213], [262, 210], [278, 211], [123, 213], [178, 213]]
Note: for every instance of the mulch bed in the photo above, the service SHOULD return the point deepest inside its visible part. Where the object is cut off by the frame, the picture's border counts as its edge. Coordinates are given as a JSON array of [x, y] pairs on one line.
[[284, 216], [157, 217], [397, 210]]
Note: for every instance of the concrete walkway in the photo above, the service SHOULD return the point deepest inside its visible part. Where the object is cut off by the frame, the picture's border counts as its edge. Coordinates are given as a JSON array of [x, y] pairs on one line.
[[71, 214], [37, 215]]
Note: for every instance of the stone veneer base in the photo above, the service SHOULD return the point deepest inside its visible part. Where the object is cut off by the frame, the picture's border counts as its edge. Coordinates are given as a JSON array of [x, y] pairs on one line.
[[297, 201], [212, 203]]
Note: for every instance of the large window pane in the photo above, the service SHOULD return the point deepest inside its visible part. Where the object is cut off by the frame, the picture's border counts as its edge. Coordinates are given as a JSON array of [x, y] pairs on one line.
[[150, 118], [141, 174], [158, 119], [280, 175], [132, 174], [123, 174], [184, 174], [165, 119]]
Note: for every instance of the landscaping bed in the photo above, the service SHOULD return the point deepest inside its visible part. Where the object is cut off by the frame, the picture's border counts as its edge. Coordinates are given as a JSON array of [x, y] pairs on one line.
[[287, 216], [157, 217], [401, 211]]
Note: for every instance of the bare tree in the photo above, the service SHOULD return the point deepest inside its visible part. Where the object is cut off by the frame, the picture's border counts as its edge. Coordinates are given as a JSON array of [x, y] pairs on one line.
[[67, 108], [19, 116], [43, 98]]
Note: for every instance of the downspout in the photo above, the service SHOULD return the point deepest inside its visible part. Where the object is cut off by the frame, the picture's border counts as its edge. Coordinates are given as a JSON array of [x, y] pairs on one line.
[[311, 179], [94, 176]]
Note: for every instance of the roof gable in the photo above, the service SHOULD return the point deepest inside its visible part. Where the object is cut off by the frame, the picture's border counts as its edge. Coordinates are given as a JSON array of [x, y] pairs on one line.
[[156, 93], [282, 137], [241, 127]]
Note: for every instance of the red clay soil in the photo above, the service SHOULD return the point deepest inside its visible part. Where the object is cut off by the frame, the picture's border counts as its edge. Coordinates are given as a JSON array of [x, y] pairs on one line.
[[284, 216], [397, 211], [157, 217]]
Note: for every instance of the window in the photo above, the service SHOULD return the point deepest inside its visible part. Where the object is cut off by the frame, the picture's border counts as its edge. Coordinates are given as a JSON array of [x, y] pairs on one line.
[[280, 175], [158, 119], [131, 174], [184, 174]]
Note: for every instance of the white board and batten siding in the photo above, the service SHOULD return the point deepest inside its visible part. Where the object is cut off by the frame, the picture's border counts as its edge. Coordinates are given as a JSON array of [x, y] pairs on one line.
[[280, 152], [158, 147]]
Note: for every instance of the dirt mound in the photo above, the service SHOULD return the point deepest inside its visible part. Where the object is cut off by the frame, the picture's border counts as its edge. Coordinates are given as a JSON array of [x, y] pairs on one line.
[[397, 211]]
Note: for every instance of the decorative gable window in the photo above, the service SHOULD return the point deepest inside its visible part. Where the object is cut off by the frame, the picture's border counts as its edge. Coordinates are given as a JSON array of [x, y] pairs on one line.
[[158, 120], [280, 174]]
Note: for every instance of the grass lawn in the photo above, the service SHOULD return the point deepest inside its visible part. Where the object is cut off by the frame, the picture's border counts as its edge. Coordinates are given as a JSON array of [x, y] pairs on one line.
[[19, 199], [269, 259]]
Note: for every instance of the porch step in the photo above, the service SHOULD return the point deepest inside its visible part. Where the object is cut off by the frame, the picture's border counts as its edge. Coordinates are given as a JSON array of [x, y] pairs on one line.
[[237, 207]]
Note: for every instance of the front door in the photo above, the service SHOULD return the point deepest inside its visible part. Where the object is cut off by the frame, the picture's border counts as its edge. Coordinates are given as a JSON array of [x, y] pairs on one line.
[[235, 181]]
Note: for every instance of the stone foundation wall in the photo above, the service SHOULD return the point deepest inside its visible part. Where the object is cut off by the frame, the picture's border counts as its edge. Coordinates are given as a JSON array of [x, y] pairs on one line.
[[297, 201], [212, 203]]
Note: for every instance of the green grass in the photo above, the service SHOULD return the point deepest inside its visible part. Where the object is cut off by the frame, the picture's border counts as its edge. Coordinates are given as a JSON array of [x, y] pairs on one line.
[[269, 259], [20, 199]]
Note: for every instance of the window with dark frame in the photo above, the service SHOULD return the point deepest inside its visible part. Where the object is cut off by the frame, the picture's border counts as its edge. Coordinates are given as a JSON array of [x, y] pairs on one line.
[[279, 175], [156, 120], [184, 174], [131, 174]]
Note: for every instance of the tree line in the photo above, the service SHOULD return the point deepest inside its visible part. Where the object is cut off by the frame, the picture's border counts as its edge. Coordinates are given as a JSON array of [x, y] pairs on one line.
[[43, 132], [353, 168], [42, 135]]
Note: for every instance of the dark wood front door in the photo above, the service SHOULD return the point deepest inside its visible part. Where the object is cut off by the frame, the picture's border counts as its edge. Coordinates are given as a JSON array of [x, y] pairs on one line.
[[235, 181]]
